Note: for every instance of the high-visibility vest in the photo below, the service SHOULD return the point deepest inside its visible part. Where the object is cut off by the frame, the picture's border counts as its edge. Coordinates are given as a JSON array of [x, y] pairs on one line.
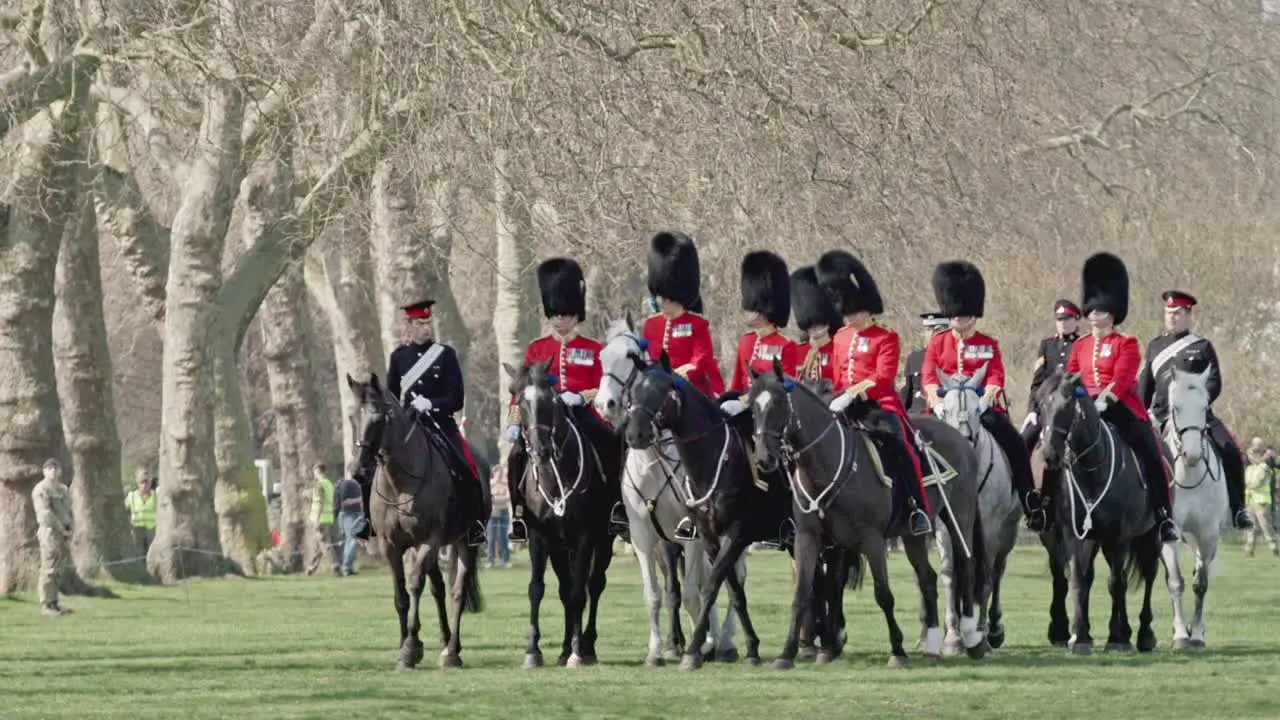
[[1257, 478], [322, 502], [142, 511]]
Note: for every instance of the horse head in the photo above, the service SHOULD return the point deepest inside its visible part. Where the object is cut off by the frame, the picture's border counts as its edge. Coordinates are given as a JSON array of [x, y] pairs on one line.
[[1068, 416], [541, 412], [655, 403], [1188, 413], [369, 420], [962, 401], [770, 397], [624, 356]]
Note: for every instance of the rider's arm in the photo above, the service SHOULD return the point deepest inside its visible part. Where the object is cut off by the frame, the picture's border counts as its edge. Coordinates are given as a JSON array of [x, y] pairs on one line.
[[929, 370], [1038, 375], [1146, 380], [791, 359], [393, 376], [738, 381], [995, 373], [1215, 372], [451, 395], [1125, 371], [1073, 359], [881, 383]]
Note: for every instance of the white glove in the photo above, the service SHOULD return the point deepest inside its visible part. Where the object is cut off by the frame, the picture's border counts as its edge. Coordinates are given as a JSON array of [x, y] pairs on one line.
[[571, 399], [982, 406], [1101, 403], [732, 407], [842, 401], [1031, 419], [938, 410], [420, 403], [513, 432]]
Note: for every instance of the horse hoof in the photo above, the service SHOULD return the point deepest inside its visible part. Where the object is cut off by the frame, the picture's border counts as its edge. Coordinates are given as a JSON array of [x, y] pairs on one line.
[[953, 648], [808, 652], [980, 650], [655, 661], [783, 664], [826, 657], [996, 640], [929, 659], [574, 661], [587, 660], [1197, 644], [563, 660], [450, 661], [1119, 647], [729, 655], [672, 654], [532, 660], [752, 661], [897, 661], [1082, 648], [692, 661], [1182, 643], [402, 666]]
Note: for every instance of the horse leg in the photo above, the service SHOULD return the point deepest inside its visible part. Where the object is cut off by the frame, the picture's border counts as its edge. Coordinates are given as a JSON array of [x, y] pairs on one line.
[[436, 576], [1206, 556], [1120, 633], [722, 564], [464, 561], [1147, 549], [737, 587], [563, 568], [815, 616], [991, 600], [576, 606], [835, 627], [973, 637], [411, 651], [395, 556], [726, 649], [644, 548], [675, 632], [1059, 566], [1172, 556], [878, 564], [950, 644], [537, 588], [806, 565], [917, 549], [1082, 556], [697, 572], [599, 568]]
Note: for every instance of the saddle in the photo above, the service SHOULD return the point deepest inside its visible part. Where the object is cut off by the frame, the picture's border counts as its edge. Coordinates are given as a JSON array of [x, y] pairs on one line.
[[459, 465]]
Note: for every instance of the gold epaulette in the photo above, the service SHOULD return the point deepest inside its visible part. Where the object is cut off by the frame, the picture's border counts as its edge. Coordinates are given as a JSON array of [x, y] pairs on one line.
[[1039, 361]]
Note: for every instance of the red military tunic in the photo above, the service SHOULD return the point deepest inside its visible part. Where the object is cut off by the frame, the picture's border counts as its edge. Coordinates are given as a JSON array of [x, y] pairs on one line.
[[950, 353], [757, 352], [824, 368], [868, 362], [575, 362], [687, 340], [1109, 366]]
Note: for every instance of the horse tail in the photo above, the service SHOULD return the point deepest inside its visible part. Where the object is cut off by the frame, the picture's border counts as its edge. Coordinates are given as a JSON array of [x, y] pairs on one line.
[[857, 569], [979, 547], [1133, 566], [473, 599]]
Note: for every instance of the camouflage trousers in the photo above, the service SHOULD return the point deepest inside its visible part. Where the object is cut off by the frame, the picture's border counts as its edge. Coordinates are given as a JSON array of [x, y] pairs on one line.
[[53, 555], [1261, 524]]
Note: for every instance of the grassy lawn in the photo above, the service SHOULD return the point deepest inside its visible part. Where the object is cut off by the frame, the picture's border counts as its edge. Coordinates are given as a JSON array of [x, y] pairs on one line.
[[298, 647]]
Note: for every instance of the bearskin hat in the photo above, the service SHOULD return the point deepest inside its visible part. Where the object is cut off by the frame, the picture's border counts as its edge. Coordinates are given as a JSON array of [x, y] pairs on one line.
[[810, 302], [563, 289], [848, 284], [673, 268], [766, 286], [959, 289], [1104, 285]]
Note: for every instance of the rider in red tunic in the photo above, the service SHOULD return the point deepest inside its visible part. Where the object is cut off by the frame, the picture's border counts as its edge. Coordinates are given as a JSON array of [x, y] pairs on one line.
[[817, 318], [575, 364], [675, 284], [866, 357], [766, 299], [961, 294], [1108, 363]]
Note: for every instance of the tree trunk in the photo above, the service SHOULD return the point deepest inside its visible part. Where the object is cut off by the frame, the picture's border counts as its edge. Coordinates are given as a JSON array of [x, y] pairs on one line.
[[515, 317], [187, 531], [45, 197], [299, 432], [84, 372]]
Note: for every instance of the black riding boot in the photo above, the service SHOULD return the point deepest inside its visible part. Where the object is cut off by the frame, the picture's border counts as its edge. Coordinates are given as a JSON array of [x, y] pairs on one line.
[[1139, 435], [611, 450], [1030, 436], [1233, 470], [1015, 449], [517, 460], [477, 530], [902, 467]]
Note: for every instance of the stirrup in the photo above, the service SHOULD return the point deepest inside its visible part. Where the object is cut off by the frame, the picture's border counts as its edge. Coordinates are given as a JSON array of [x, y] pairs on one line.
[[1168, 530], [619, 523], [920, 524], [519, 532], [1241, 520], [685, 530], [476, 535]]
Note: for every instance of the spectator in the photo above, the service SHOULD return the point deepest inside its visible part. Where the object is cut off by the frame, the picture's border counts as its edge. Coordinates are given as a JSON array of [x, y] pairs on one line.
[[54, 527], [141, 503], [349, 515], [322, 520], [1259, 485], [500, 518]]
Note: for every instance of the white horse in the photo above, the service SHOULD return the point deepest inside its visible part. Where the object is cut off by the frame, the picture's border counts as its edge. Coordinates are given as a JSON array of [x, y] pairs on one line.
[[998, 507], [1199, 499], [652, 493]]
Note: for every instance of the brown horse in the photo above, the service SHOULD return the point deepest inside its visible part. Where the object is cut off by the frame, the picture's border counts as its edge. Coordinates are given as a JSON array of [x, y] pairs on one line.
[[415, 508]]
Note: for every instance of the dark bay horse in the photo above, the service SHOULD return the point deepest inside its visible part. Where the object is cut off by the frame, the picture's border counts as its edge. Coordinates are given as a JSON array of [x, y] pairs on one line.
[[1101, 504], [729, 510], [839, 494], [567, 514], [414, 507]]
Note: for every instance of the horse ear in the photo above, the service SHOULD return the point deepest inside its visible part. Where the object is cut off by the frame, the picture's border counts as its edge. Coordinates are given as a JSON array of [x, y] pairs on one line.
[[631, 325], [777, 368], [373, 382], [511, 372], [978, 377], [351, 383], [752, 372], [665, 361], [945, 379]]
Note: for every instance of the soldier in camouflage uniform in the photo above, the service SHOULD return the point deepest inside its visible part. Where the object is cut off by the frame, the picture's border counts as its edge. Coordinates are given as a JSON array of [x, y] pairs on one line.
[[54, 523]]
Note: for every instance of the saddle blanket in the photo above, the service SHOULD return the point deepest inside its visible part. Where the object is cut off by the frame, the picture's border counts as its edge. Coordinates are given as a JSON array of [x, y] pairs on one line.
[[945, 473]]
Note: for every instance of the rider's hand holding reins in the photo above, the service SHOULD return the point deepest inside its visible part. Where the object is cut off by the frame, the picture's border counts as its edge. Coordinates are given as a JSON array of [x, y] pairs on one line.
[[420, 404], [571, 399], [732, 407]]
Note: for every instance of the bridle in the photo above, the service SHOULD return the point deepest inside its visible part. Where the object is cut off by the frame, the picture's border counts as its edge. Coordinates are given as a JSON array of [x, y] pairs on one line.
[[791, 425], [560, 422], [377, 453]]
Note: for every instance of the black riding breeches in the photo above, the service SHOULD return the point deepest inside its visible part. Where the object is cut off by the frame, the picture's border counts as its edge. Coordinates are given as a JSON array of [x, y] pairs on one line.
[[1015, 449], [1232, 462], [1139, 435]]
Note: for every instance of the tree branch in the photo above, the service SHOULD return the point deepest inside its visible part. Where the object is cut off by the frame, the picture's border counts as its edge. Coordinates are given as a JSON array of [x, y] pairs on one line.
[[25, 92], [142, 113], [584, 37]]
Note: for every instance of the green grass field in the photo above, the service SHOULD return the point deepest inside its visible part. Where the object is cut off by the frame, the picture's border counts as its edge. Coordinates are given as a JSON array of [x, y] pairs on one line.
[[313, 647]]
